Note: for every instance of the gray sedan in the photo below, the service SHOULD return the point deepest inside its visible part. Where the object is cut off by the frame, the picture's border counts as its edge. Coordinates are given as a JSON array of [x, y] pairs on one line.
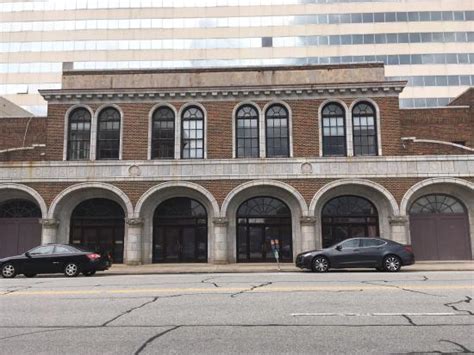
[[382, 254]]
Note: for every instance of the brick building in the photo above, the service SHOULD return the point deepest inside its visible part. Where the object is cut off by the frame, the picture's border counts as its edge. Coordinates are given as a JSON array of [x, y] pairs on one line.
[[209, 165]]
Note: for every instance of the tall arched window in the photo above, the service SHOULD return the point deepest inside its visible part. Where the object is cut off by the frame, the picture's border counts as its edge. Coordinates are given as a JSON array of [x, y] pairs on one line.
[[364, 129], [247, 142], [334, 130], [162, 133], [79, 134], [346, 217], [192, 133], [108, 134], [277, 132]]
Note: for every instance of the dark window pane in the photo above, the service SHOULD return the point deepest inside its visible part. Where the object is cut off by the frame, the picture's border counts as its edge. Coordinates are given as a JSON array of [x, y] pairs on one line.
[[277, 131], [247, 132], [364, 129], [192, 133], [333, 130], [79, 133], [162, 139], [108, 134]]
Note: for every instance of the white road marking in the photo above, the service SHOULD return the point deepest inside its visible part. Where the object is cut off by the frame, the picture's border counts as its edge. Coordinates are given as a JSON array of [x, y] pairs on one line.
[[425, 314]]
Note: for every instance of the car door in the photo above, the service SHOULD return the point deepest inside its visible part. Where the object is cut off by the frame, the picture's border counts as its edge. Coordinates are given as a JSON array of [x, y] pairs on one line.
[[62, 255], [370, 251], [40, 260], [346, 253]]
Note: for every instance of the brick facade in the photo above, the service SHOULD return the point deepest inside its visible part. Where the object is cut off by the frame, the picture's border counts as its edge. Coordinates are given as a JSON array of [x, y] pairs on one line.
[[391, 181]]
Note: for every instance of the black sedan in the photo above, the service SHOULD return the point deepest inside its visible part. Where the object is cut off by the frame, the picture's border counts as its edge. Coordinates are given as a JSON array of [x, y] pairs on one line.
[[382, 254], [54, 258]]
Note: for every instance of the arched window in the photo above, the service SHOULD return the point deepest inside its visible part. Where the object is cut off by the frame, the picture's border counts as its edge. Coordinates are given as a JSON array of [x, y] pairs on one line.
[[79, 134], [436, 204], [192, 133], [162, 133], [247, 145], [346, 217], [18, 208], [261, 220], [334, 130], [364, 129], [277, 132], [108, 134], [180, 231]]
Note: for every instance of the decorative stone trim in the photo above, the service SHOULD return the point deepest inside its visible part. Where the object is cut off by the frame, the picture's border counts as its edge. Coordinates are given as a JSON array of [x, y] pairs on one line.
[[220, 221], [308, 220], [398, 220], [49, 222], [134, 221], [308, 91]]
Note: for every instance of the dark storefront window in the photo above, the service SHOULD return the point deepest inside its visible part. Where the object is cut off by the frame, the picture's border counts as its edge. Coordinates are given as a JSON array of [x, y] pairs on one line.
[[180, 231], [348, 217], [260, 220]]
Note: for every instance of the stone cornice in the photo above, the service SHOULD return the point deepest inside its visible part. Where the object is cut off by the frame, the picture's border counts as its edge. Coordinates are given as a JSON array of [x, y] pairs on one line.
[[219, 169], [221, 93]]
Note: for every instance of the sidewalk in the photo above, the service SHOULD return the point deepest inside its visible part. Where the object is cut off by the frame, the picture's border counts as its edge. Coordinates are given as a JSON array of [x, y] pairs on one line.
[[120, 269]]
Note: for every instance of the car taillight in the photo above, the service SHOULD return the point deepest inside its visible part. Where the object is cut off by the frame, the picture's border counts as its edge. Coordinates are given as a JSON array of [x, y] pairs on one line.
[[408, 248], [93, 256]]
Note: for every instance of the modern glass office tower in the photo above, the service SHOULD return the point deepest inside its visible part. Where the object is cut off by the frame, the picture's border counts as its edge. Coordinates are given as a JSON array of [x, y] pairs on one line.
[[430, 43]]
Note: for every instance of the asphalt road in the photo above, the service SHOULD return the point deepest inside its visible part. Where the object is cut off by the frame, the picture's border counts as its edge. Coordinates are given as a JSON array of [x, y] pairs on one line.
[[337, 312]]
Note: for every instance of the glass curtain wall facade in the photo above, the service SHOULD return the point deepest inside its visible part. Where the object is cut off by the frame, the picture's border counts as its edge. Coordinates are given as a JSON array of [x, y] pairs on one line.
[[415, 39]]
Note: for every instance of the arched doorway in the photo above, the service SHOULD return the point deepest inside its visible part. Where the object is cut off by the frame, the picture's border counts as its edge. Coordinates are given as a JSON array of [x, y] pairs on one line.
[[259, 220], [439, 228], [20, 229], [346, 217], [98, 224], [180, 231]]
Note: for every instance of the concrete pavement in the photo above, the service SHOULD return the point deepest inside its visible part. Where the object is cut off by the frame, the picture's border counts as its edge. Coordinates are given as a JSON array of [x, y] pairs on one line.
[[120, 269]]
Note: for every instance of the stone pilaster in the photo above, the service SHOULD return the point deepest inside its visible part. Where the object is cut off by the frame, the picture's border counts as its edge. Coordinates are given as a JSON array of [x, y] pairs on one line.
[[399, 229], [134, 241], [220, 240], [49, 230], [309, 241]]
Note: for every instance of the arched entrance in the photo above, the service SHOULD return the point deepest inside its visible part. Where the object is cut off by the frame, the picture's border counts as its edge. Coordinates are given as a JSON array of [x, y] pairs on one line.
[[346, 217], [180, 231], [439, 228], [20, 229], [260, 220], [98, 224]]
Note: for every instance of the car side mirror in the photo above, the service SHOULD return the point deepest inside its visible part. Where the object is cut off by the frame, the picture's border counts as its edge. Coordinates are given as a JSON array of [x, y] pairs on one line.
[[28, 255], [339, 248]]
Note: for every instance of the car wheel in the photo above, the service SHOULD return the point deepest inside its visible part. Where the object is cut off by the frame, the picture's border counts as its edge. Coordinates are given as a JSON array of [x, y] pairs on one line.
[[71, 270], [392, 263], [89, 273], [8, 271], [320, 264], [30, 275]]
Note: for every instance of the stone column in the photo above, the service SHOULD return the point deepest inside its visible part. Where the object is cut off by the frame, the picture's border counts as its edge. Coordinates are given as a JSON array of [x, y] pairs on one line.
[[399, 229], [49, 230], [308, 234], [220, 240], [133, 247]]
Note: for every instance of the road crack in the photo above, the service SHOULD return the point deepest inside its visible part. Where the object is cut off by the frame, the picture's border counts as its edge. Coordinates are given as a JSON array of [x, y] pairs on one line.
[[153, 338], [154, 299], [8, 292], [400, 288], [250, 289], [466, 300], [462, 349], [409, 320], [206, 281]]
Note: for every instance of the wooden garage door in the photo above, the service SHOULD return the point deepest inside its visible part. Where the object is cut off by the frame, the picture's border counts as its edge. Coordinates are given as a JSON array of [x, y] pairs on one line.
[[18, 235], [20, 229], [439, 229]]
